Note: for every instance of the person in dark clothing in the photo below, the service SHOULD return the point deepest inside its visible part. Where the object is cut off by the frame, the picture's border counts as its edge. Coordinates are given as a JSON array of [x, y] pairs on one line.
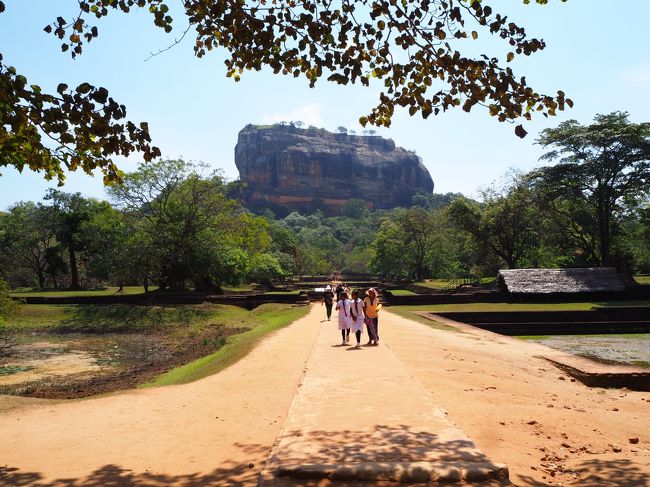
[[328, 301], [339, 290]]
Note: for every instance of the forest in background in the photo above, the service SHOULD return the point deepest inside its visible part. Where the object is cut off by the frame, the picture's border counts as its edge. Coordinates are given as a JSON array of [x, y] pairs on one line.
[[179, 225]]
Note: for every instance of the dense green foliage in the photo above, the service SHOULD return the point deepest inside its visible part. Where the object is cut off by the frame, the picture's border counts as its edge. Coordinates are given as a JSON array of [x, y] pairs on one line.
[[171, 226], [175, 225], [508, 222]]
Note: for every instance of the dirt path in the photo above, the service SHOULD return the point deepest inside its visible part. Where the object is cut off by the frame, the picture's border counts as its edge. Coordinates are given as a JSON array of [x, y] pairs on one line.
[[204, 433], [519, 410], [524, 412]]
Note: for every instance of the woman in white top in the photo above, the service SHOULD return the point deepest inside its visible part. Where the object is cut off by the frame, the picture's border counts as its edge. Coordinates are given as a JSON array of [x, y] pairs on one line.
[[356, 311], [345, 320]]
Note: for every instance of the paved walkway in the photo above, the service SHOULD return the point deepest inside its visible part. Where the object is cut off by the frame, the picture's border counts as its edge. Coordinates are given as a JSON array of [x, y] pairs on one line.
[[359, 414]]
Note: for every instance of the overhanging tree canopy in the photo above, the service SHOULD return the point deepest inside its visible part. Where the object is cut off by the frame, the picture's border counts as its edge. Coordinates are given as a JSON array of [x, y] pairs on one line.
[[413, 48]]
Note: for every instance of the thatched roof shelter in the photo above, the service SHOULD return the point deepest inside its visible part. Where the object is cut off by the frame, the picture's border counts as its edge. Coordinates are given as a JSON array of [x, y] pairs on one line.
[[546, 281]]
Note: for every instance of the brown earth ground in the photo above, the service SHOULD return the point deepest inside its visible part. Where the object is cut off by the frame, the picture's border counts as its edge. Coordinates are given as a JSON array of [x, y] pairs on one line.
[[522, 411], [518, 409]]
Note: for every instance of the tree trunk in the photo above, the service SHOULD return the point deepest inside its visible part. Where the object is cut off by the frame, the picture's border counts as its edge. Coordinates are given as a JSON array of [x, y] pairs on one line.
[[74, 272], [419, 272], [145, 284], [604, 241], [41, 279], [605, 259]]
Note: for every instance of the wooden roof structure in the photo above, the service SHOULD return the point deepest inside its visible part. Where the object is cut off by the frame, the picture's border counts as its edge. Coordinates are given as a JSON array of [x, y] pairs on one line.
[[570, 280]]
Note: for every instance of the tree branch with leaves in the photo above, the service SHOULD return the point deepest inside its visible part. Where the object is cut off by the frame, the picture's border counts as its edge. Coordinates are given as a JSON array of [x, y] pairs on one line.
[[413, 50]]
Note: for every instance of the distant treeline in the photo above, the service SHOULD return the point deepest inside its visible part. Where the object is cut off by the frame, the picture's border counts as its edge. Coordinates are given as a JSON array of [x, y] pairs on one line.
[[176, 225]]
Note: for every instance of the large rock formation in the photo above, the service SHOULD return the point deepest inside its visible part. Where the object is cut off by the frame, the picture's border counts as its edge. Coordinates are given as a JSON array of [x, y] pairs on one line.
[[288, 168]]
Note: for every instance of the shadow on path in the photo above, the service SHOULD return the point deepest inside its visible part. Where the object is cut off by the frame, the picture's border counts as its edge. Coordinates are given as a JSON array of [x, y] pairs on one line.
[[116, 476], [381, 444], [231, 473]]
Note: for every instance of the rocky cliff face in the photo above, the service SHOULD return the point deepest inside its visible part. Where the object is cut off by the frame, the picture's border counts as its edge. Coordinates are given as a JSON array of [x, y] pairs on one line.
[[303, 169]]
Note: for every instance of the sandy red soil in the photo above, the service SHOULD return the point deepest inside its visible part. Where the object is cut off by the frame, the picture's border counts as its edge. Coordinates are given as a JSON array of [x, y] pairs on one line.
[[520, 410]]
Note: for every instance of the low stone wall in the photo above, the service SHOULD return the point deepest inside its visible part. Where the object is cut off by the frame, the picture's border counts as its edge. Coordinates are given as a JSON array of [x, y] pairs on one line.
[[635, 381], [598, 321], [640, 292]]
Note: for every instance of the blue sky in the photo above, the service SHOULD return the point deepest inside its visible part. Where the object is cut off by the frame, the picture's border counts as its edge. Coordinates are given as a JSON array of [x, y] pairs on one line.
[[597, 52]]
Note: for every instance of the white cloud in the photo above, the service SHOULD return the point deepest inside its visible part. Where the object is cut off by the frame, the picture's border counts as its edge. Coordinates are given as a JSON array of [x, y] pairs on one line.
[[639, 75], [308, 114]]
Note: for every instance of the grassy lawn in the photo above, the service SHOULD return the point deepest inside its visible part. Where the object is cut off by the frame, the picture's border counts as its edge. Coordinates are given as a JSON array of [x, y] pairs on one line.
[[27, 292], [642, 279], [39, 317], [505, 307], [260, 321], [402, 292], [434, 283], [238, 289], [114, 318], [441, 283]]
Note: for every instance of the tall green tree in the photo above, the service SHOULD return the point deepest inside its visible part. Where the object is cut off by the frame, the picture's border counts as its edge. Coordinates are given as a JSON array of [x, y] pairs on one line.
[[114, 250], [195, 232], [403, 243], [600, 167], [387, 251], [506, 221], [28, 239], [455, 253], [414, 50], [70, 212]]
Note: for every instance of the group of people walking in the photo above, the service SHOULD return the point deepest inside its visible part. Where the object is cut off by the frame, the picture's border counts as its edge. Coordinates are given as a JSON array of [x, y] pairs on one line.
[[354, 313]]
